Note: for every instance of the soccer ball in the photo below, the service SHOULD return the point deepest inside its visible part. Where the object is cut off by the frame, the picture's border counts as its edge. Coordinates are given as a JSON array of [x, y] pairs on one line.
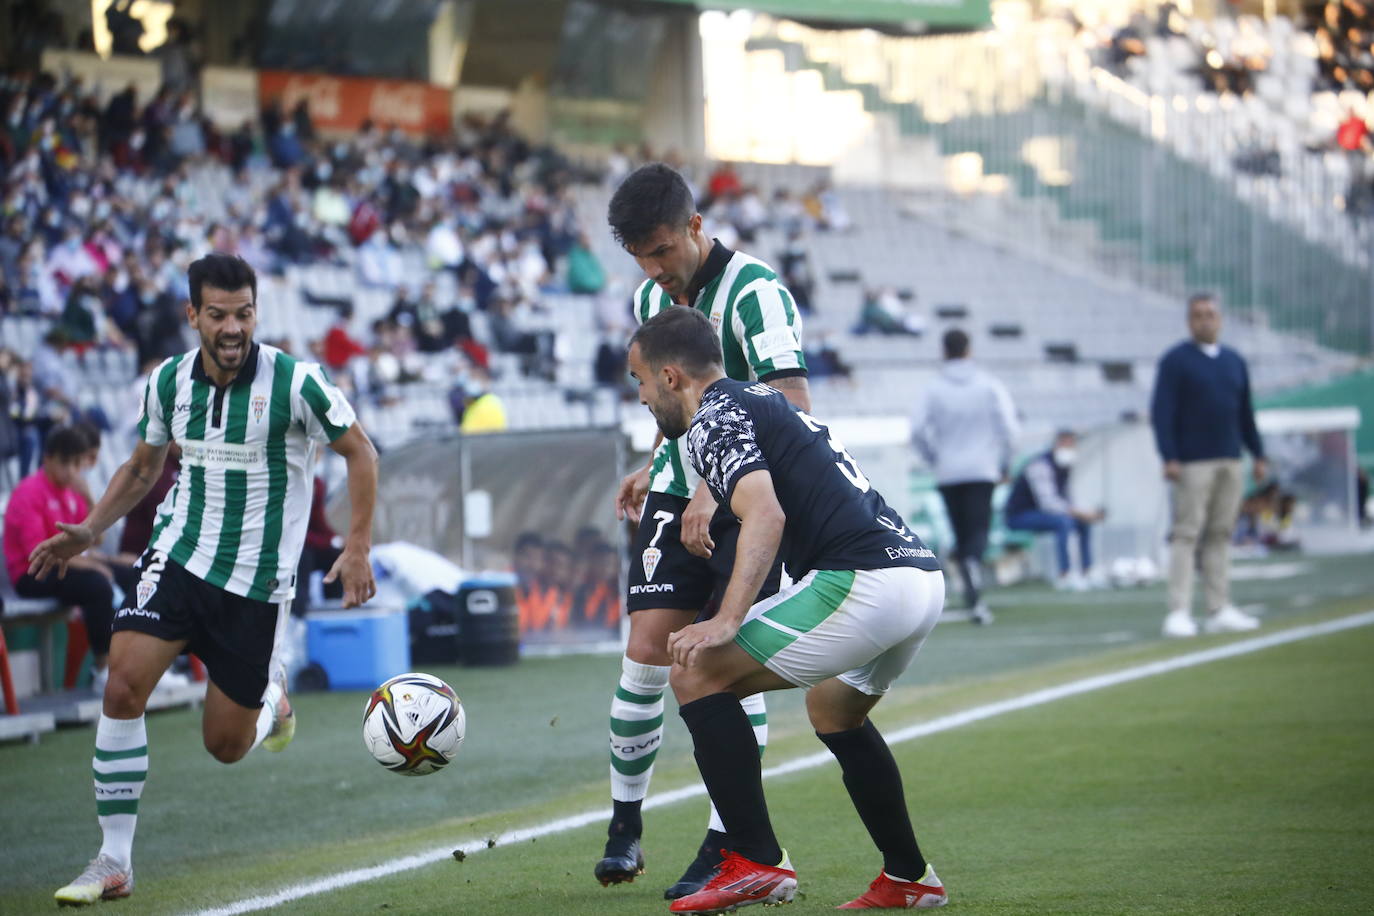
[[413, 724], [1125, 572]]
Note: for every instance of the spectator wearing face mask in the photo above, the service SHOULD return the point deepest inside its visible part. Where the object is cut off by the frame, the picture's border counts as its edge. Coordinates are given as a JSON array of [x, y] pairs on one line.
[[1039, 501]]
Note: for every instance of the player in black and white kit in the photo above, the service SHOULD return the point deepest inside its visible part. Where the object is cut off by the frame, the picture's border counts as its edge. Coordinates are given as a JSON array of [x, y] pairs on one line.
[[868, 594]]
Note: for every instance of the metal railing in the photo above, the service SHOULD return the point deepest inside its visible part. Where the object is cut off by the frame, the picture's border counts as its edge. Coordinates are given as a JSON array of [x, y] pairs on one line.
[[1155, 179]]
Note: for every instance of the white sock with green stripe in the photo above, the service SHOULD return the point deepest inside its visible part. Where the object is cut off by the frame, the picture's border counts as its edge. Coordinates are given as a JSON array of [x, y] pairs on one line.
[[757, 711], [121, 767], [636, 728]]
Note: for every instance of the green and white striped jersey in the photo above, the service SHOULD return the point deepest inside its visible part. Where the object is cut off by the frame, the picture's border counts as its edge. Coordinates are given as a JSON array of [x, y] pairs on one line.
[[760, 332], [237, 515]]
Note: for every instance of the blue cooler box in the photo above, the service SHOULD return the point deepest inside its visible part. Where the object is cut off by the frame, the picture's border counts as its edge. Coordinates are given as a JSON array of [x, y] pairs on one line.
[[358, 648]]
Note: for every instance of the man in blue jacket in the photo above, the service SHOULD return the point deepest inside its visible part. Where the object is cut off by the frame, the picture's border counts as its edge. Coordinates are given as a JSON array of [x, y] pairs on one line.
[[1202, 415]]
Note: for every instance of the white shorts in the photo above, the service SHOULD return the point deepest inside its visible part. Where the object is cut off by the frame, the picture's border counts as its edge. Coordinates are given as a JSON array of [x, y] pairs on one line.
[[863, 626]]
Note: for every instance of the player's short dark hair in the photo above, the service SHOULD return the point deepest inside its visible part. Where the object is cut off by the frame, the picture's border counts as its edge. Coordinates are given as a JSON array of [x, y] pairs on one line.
[[228, 272], [65, 444], [679, 335], [653, 195], [956, 344]]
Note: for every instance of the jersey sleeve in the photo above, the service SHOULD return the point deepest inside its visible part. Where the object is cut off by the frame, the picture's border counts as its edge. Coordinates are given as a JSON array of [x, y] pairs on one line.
[[321, 407], [649, 300], [723, 447], [769, 329], [152, 407]]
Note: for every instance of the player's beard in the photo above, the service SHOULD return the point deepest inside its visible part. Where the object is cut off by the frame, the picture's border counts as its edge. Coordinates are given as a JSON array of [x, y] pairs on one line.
[[672, 418], [227, 362]]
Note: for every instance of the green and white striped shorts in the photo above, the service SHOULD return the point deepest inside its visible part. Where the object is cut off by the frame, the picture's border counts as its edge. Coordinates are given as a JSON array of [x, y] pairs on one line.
[[864, 626]]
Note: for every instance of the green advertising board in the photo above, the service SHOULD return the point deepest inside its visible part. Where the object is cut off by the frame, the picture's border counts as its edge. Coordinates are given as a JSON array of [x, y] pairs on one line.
[[937, 13]]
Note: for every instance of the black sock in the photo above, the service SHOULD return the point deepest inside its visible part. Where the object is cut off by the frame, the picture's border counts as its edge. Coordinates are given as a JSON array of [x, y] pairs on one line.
[[711, 847], [875, 787], [728, 757], [626, 819]]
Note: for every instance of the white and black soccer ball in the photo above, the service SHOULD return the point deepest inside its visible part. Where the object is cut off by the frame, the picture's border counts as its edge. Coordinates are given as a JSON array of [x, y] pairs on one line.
[[414, 724], [1125, 573]]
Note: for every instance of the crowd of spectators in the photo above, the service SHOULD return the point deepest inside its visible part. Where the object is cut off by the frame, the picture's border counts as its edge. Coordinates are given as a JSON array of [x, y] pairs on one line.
[[1344, 32], [103, 206]]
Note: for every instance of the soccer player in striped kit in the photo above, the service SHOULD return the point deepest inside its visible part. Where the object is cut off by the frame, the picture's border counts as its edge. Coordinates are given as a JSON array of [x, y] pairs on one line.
[[684, 547], [219, 575]]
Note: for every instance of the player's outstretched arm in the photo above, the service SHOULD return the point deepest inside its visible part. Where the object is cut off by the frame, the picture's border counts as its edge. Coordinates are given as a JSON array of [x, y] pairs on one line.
[[755, 503], [353, 566], [127, 488]]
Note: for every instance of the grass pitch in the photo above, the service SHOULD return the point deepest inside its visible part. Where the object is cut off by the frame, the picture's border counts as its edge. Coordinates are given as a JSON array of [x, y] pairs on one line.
[[1242, 786]]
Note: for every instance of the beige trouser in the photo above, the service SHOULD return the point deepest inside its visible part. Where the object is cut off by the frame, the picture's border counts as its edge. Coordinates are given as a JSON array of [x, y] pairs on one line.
[[1206, 501]]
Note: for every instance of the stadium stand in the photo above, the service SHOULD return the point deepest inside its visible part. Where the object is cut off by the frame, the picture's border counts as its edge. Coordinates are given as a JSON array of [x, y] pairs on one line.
[[391, 228], [1035, 107]]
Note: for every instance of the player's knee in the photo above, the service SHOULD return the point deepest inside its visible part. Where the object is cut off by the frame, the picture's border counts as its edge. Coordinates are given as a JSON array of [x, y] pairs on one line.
[[690, 684], [227, 748], [826, 718], [123, 699], [648, 646]]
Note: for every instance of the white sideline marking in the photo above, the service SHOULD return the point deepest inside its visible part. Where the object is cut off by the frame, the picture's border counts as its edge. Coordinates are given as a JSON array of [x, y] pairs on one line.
[[1030, 639], [809, 761]]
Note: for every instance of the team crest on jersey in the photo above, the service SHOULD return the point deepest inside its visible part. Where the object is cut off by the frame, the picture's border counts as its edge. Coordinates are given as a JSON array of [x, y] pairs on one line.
[[145, 591], [650, 558], [259, 406]]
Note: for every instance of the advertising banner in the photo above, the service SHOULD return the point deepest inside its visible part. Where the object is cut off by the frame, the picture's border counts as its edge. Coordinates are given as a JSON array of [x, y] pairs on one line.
[[105, 77], [343, 103]]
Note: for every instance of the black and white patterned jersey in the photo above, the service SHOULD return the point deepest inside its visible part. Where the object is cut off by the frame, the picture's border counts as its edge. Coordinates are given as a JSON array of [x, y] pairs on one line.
[[835, 519]]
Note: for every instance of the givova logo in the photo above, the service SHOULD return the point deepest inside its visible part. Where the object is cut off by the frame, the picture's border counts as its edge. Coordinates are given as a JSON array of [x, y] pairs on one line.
[[636, 748]]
